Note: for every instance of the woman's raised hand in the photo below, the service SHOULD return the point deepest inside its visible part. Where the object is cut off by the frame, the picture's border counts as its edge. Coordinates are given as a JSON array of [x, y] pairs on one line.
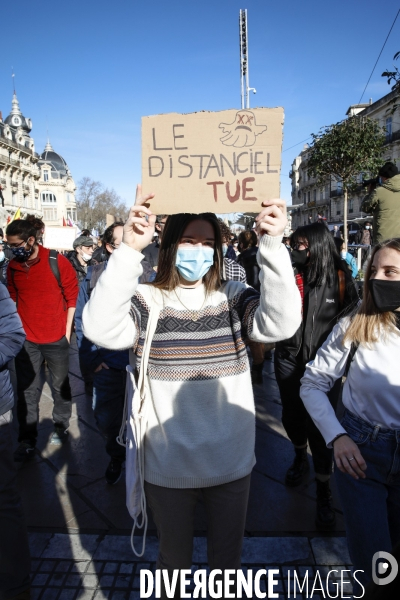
[[272, 219], [139, 231]]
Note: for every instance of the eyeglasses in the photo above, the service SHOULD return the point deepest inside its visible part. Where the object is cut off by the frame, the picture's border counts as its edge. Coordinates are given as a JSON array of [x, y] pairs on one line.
[[16, 245]]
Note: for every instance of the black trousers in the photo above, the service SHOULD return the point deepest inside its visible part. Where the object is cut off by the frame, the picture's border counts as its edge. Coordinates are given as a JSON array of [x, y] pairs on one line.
[[27, 365], [173, 512], [297, 422]]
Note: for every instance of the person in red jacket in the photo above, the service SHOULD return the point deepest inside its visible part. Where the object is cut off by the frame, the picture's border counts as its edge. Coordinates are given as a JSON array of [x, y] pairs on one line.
[[46, 298]]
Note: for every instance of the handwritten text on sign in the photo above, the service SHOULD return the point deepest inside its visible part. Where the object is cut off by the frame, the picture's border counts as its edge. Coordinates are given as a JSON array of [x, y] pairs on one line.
[[216, 162]]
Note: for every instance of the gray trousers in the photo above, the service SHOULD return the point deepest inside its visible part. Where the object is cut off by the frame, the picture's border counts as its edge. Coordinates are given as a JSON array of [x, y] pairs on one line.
[[173, 513], [15, 562]]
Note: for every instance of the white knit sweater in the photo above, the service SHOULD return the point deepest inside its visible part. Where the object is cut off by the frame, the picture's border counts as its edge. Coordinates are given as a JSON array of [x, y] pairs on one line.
[[201, 426]]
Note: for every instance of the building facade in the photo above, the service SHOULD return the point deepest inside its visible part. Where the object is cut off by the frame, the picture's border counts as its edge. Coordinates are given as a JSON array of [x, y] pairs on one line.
[[40, 185], [310, 200]]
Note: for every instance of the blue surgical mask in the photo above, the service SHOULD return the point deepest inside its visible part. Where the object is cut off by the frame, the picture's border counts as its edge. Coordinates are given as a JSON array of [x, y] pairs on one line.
[[2, 255], [194, 263], [224, 249]]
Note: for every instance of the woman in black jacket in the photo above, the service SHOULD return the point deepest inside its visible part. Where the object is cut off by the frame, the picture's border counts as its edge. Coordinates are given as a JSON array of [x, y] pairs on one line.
[[328, 292]]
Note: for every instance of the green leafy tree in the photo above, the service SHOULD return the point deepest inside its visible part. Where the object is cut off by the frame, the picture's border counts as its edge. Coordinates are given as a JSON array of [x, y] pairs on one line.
[[94, 202], [344, 150], [393, 79]]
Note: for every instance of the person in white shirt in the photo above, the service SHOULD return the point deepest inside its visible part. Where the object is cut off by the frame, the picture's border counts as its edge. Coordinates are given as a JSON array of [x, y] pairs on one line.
[[366, 441]]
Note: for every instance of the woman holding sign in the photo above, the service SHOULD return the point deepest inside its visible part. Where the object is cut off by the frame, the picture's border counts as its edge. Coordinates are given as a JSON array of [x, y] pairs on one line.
[[201, 423]]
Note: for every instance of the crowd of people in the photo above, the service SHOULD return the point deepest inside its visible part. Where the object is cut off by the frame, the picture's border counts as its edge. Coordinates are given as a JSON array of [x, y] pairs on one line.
[[222, 304]]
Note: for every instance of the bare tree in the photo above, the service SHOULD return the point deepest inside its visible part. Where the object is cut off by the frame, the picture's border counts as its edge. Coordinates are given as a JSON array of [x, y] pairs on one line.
[[95, 201]]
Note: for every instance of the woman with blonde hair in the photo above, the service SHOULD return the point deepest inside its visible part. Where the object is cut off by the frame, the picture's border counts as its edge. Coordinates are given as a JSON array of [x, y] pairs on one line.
[[366, 441], [201, 426]]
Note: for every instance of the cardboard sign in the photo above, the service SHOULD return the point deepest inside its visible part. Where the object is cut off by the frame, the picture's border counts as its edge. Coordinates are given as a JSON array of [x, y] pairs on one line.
[[59, 238], [219, 162]]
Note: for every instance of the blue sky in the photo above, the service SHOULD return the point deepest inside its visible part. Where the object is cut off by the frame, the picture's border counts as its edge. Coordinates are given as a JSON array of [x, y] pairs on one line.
[[89, 70]]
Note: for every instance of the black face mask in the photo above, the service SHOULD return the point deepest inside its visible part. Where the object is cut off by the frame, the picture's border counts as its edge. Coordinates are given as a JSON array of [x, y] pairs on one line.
[[385, 294], [300, 257]]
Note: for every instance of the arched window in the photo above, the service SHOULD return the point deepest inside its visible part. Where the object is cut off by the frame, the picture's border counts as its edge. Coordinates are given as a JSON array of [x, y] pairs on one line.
[[48, 197]]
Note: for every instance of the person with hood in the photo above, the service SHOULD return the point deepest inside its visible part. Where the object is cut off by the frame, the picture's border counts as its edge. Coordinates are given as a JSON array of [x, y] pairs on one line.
[[384, 204], [81, 257]]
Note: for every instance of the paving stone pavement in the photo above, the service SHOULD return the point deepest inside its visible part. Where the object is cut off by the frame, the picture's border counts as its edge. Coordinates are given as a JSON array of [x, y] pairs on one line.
[[79, 525], [63, 567]]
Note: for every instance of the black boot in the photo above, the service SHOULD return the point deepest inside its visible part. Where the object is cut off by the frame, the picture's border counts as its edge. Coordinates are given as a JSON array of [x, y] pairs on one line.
[[256, 374], [326, 517], [299, 468]]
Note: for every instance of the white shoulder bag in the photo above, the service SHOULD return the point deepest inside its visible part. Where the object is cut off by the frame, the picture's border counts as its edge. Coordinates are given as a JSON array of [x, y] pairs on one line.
[[137, 399]]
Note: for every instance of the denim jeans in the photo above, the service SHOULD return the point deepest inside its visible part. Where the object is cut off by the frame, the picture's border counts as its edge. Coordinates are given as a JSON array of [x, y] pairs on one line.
[[108, 407], [371, 506], [27, 365], [15, 561]]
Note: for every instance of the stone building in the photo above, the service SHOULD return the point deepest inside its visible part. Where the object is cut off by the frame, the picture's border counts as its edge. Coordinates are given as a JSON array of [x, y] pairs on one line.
[[309, 200], [40, 185], [56, 188]]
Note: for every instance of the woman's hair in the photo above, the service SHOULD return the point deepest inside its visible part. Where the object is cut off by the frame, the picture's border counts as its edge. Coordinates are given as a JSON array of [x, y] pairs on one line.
[[367, 323], [108, 236], [338, 243], [85, 232], [26, 228], [324, 261], [225, 231], [167, 277], [247, 239]]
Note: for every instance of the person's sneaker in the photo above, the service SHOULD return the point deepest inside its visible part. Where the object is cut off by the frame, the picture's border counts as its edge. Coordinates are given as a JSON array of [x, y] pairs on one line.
[[24, 452], [326, 517], [299, 468], [59, 436], [114, 471]]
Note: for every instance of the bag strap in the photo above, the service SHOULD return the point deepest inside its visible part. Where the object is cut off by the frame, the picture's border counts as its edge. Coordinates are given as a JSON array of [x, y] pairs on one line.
[[53, 262], [13, 282], [154, 313], [141, 424], [353, 350], [155, 310]]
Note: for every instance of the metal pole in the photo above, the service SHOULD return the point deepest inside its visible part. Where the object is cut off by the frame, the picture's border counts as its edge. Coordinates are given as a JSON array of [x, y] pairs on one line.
[[247, 66], [241, 57]]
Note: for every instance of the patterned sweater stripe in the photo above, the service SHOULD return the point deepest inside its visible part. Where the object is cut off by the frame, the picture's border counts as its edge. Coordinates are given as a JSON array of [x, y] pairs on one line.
[[201, 422]]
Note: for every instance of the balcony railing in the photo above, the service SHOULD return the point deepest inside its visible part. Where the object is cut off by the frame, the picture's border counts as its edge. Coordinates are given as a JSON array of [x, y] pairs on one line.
[[9, 161], [392, 137]]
